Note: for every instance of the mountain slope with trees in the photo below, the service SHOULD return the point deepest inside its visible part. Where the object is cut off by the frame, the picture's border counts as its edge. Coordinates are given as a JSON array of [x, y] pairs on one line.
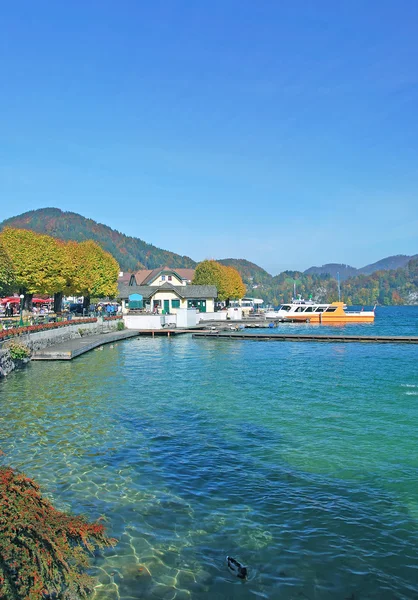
[[131, 253]]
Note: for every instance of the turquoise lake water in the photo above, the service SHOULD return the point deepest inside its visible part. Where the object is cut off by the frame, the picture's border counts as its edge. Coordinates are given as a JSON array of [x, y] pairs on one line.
[[298, 459]]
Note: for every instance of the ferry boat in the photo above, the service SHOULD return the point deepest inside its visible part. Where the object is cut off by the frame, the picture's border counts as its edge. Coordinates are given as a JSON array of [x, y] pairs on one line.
[[311, 312]]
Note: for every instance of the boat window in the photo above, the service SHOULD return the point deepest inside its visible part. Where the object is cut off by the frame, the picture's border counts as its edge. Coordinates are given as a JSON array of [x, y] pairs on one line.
[[320, 308], [309, 309], [285, 307], [300, 309], [331, 309]]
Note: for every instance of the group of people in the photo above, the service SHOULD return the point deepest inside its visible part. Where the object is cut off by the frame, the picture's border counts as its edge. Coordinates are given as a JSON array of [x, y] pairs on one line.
[[9, 310], [110, 310]]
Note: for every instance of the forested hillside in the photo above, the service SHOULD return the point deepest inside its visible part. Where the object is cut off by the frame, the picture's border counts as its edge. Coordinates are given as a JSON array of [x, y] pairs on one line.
[[131, 253], [397, 286]]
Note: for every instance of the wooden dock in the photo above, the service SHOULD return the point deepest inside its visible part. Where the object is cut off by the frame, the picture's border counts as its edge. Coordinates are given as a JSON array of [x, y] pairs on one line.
[[285, 337], [167, 332]]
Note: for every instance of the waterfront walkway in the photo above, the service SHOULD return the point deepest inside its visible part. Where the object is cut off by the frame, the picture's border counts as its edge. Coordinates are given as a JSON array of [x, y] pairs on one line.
[[284, 337], [72, 348]]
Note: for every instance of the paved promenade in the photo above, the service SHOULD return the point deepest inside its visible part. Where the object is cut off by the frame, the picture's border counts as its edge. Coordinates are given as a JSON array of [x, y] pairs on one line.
[[72, 348]]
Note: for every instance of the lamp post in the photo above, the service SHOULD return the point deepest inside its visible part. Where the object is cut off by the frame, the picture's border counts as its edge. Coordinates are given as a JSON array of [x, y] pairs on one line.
[[22, 297]]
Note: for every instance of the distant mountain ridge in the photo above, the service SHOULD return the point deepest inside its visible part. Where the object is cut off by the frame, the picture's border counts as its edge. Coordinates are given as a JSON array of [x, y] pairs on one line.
[[346, 271], [131, 253]]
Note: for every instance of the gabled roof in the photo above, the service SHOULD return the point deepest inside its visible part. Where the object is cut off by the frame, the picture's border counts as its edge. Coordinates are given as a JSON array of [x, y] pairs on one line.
[[126, 278], [182, 291], [186, 273], [146, 276]]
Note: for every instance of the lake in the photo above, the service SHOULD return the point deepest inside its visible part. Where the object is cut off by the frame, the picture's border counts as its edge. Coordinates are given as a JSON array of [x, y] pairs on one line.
[[299, 460]]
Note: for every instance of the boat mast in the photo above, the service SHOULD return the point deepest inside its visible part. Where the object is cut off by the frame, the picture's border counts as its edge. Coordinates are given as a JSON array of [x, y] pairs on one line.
[[339, 288]]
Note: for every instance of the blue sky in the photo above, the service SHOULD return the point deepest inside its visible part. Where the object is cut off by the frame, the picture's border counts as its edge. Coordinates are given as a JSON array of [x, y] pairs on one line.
[[283, 133]]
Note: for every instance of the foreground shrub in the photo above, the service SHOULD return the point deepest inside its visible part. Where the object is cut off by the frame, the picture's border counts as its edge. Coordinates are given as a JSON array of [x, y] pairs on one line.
[[18, 351], [120, 326], [43, 552]]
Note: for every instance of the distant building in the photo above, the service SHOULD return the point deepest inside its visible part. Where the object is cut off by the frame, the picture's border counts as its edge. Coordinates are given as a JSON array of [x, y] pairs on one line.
[[167, 290]]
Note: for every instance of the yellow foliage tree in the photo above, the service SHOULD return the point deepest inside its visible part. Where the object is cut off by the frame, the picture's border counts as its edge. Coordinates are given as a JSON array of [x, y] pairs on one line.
[[235, 286], [7, 276], [226, 279], [38, 261], [94, 271]]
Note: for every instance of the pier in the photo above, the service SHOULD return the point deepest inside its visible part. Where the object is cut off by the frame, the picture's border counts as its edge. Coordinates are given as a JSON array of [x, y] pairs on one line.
[[285, 337], [71, 348]]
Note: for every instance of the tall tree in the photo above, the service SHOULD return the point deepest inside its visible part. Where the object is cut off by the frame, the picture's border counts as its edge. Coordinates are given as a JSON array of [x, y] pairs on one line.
[[235, 286], [95, 271], [226, 279], [37, 261], [210, 272], [7, 275]]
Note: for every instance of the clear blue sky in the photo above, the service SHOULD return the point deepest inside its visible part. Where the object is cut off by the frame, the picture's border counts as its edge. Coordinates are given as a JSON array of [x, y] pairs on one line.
[[285, 133]]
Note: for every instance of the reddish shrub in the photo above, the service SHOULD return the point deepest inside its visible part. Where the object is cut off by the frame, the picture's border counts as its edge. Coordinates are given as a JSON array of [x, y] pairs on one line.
[[43, 551]]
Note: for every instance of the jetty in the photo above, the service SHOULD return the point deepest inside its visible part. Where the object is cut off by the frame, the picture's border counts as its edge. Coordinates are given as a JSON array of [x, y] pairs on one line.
[[285, 337], [75, 347]]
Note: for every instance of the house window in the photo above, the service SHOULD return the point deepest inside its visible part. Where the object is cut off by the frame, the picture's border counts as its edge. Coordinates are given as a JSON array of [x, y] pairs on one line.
[[175, 304], [162, 277], [169, 278], [200, 305]]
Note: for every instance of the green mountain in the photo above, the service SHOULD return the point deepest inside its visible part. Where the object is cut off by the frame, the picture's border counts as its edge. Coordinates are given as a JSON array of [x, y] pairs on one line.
[[333, 269], [388, 264], [131, 253]]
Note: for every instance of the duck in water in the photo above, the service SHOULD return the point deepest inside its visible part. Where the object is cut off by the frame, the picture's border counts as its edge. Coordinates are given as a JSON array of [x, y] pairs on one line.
[[236, 567]]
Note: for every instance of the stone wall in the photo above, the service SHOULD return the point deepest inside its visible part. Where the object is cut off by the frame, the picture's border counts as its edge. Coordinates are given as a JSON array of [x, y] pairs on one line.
[[6, 363], [50, 337]]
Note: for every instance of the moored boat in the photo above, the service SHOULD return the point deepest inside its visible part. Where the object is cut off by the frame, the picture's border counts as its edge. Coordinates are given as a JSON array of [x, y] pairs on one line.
[[308, 311]]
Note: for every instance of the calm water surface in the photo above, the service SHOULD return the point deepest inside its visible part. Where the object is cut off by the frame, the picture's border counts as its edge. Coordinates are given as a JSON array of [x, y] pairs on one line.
[[300, 460]]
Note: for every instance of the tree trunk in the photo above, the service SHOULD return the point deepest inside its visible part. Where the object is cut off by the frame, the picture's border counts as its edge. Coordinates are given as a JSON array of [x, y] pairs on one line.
[[86, 302], [27, 302], [58, 302]]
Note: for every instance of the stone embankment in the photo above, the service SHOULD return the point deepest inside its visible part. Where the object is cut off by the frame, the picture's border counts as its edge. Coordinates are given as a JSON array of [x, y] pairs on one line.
[[39, 340]]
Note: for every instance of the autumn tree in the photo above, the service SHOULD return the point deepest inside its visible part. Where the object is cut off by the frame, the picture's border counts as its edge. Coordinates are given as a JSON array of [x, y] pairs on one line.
[[210, 272], [7, 275], [94, 271], [226, 279], [38, 262], [235, 286]]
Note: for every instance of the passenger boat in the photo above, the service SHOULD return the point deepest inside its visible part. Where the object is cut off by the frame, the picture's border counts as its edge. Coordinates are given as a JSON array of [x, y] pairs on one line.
[[311, 312]]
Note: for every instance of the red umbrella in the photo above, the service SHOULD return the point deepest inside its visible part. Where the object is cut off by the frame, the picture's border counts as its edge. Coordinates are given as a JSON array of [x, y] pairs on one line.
[[12, 299], [41, 300]]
